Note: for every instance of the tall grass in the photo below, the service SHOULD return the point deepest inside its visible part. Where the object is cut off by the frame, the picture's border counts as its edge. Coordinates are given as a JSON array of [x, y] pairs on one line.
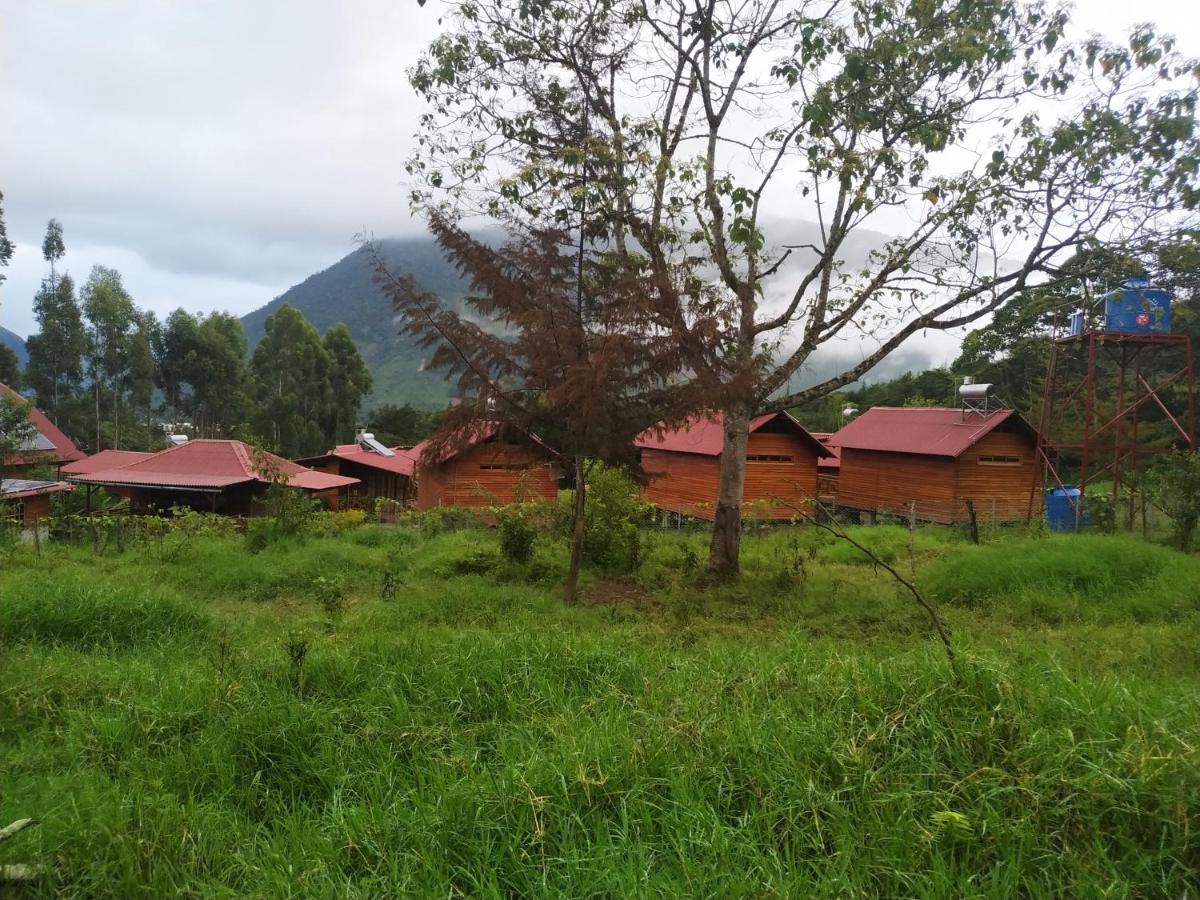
[[474, 737]]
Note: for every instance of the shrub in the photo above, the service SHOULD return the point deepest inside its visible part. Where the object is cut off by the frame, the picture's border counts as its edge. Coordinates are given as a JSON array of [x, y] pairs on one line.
[[612, 540], [1175, 486], [517, 532]]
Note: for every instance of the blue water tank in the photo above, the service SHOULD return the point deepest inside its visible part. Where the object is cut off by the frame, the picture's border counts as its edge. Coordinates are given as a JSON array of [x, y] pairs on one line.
[[1061, 503], [1077, 323], [1137, 308]]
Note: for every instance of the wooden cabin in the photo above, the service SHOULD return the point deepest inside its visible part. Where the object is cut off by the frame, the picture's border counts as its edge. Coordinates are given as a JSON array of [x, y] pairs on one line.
[[49, 447], [485, 469], [219, 476], [383, 473], [25, 505], [928, 462], [682, 466]]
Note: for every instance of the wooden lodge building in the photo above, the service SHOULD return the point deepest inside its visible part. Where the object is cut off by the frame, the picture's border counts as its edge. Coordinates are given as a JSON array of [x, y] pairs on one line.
[[220, 476], [486, 469], [828, 469], [682, 467], [930, 461], [382, 473]]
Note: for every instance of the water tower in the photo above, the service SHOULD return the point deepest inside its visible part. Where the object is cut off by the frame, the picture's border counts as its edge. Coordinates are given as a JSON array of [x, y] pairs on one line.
[[1118, 390]]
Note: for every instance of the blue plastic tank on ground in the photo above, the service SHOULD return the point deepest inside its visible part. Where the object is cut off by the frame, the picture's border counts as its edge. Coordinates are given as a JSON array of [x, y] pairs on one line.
[[1137, 308], [1061, 504]]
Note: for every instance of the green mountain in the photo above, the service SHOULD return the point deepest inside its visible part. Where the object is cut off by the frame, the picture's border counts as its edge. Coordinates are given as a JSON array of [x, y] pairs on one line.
[[345, 293], [15, 343]]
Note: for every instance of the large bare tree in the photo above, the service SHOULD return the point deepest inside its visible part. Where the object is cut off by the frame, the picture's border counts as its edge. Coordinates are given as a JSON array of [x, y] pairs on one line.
[[759, 145]]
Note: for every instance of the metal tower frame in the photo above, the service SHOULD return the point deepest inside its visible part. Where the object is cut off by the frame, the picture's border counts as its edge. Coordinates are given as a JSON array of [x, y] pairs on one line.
[[1108, 440]]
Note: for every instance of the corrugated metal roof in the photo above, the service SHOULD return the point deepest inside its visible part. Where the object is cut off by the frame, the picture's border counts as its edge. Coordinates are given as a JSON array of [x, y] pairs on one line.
[[211, 464], [400, 464], [930, 431], [706, 436], [17, 488], [61, 448], [105, 459], [834, 460]]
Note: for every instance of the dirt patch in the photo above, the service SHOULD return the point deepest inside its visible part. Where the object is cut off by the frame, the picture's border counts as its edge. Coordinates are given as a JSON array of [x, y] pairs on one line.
[[612, 592]]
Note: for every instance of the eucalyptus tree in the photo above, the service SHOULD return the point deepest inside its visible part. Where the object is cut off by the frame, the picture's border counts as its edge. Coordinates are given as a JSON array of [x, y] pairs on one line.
[[759, 146]]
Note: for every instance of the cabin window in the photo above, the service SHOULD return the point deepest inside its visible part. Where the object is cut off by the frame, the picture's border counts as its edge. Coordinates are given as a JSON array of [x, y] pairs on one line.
[[999, 460], [768, 457]]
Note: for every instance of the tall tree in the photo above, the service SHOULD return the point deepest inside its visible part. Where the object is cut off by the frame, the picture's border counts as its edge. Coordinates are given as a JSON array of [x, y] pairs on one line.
[[349, 383], [970, 132], [174, 341], [572, 361], [216, 372], [290, 371], [10, 367], [53, 247], [112, 319], [6, 246], [56, 351], [16, 431], [138, 379]]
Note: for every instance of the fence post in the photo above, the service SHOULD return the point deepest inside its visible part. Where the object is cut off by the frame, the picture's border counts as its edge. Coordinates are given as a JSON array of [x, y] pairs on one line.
[[37, 535]]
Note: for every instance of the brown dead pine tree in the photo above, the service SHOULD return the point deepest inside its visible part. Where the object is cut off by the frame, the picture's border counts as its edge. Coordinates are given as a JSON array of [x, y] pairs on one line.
[[572, 362]]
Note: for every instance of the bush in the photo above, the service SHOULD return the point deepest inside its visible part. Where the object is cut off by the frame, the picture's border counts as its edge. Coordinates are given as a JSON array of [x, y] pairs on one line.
[[517, 532], [612, 541]]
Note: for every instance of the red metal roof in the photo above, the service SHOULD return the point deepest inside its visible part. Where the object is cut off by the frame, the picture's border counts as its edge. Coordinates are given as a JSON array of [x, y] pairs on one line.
[[211, 465], [834, 460], [400, 464], [706, 436], [64, 448], [105, 459], [931, 431]]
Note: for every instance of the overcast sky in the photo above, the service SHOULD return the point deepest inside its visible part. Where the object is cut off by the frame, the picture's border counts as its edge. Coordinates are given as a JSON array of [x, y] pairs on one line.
[[217, 153]]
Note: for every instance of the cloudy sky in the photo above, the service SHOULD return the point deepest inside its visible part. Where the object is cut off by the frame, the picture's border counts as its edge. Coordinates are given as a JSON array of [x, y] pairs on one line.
[[217, 153]]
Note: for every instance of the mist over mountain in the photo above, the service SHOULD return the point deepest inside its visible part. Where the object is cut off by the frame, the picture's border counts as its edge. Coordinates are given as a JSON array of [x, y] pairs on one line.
[[345, 293]]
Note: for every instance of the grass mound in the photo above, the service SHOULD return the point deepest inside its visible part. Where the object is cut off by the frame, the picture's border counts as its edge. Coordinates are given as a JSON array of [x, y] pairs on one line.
[[1089, 577], [94, 614]]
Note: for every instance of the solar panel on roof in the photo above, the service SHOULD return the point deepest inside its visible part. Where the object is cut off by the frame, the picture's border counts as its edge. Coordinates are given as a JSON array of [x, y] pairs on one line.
[[368, 442], [37, 442]]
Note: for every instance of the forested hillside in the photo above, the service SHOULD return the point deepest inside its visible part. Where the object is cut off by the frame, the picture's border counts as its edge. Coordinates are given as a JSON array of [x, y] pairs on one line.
[[345, 293], [13, 342]]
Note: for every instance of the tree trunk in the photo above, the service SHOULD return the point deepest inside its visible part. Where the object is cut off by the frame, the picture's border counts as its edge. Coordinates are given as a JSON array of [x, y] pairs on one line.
[[727, 522], [578, 532]]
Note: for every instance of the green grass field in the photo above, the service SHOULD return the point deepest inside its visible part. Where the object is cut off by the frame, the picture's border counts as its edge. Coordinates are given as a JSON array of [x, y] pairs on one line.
[[203, 721]]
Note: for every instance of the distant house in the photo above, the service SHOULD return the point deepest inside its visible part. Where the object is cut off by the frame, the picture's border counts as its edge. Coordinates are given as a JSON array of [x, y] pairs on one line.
[[26, 504], [382, 472], [219, 476], [486, 468], [930, 461], [828, 469], [682, 466], [48, 446]]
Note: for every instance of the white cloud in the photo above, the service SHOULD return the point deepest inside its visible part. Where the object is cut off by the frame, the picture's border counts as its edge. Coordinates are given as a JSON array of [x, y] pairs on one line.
[[217, 153]]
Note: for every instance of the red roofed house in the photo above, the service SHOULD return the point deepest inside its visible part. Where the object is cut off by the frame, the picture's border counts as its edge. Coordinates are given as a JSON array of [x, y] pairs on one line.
[[937, 459], [683, 464], [49, 447], [208, 475], [490, 469], [381, 472]]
